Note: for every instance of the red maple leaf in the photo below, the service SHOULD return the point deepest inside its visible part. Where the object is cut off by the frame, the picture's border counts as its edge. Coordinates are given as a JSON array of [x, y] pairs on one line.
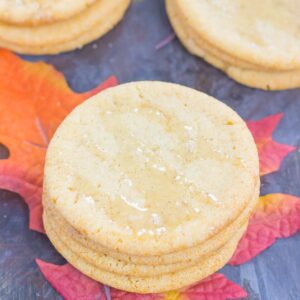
[[270, 152], [34, 99], [215, 287], [277, 216], [122, 295], [70, 283]]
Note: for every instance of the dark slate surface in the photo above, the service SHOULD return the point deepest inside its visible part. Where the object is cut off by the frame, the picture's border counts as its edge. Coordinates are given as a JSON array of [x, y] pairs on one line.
[[128, 51]]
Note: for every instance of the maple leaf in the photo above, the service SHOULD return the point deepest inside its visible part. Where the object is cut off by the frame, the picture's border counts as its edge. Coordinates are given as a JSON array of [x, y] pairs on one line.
[[34, 99], [216, 287], [73, 285], [270, 152], [122, 295], [277, 216], [70, 283]]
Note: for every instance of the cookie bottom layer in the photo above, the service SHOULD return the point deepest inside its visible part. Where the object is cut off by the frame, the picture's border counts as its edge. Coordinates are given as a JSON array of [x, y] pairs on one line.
[[108, 263], [151, 284]]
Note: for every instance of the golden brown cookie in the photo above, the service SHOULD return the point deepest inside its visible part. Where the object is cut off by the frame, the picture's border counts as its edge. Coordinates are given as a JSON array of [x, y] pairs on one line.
[[254, 55], [33, 12], [151, 168], [96, 20]]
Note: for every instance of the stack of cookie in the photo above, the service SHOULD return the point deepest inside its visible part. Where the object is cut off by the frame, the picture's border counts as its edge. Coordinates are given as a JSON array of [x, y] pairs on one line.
[[149, 186], [255, 42], [50, 27]]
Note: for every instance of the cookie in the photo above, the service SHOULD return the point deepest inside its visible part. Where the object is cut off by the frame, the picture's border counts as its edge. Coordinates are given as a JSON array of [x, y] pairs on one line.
[[149, 186], [256, 56], [151, 284], [33, 12], [96, 20], [151, 168]]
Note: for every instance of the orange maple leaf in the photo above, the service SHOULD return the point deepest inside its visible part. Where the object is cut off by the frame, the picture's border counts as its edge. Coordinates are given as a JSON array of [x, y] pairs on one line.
[[277, 216], [270, 152], [34, 99]]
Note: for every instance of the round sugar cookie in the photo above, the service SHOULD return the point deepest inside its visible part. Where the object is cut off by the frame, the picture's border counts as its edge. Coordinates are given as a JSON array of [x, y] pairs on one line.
[[150, 168], [265, 33], [108, 263], [201, 40], [96, 20], [190, 255], [33, 12], [151, 284]]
